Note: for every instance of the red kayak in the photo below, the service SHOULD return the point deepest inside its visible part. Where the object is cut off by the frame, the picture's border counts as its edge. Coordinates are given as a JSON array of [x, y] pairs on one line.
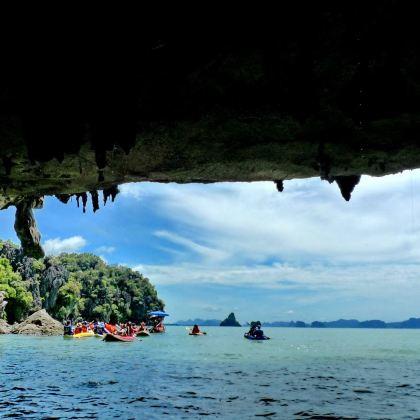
[[115, 337], [143, 333]]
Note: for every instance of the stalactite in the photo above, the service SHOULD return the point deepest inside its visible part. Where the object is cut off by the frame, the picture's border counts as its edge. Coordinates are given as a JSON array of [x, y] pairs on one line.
[[26, 229], [83, 196], [279, 185], [84, 201], [64, 198], [347, 184], [95, 200], [111, 191]]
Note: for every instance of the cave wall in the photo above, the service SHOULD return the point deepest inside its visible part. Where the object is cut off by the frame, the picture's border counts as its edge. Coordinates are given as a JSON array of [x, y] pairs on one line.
[[309, 89], [325, 89]]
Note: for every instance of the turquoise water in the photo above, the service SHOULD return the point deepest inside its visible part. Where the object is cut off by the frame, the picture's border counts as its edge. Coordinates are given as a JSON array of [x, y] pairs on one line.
[[300, 373]]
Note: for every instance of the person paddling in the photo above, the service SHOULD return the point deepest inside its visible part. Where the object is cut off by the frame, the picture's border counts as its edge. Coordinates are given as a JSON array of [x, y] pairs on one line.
[[196, 329], [253, 328], [68, 328]]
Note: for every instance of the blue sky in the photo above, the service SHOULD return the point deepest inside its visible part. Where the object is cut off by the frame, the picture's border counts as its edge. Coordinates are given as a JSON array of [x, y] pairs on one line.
[[303, 254]]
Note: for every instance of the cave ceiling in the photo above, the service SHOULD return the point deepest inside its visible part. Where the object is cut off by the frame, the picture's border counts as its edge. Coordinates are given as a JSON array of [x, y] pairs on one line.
[[332, 93]]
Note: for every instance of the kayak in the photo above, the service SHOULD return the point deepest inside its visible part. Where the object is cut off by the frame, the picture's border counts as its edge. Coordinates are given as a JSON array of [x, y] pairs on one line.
[[80, 335], [251, 337], [143, 333], [200, 333], [115, 337]]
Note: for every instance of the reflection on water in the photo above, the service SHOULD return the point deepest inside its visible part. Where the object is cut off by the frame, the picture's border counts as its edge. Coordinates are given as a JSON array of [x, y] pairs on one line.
[[308, 374]]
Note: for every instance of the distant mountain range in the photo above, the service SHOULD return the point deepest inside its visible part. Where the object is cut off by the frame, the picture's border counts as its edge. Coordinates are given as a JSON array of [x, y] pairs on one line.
[[340, 323]]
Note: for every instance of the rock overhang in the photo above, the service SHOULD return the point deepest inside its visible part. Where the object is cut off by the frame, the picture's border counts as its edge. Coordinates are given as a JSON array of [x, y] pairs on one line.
[[333, 92]]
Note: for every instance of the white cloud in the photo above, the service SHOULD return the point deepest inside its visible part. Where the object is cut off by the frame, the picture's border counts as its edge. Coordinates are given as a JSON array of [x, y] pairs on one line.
[[306, 244], [348, 279], [137, 191], [204, 251], [310, 221], [57, 245], [210, 308], [105, 250]]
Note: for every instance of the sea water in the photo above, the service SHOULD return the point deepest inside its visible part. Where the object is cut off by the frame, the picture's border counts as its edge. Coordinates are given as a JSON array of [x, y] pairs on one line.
[[299, 373]]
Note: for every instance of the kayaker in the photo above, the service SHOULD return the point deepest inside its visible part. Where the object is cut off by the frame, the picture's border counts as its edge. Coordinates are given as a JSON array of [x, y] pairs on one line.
[[196, 329], [252, 328], [78, 328], [68, 329], [259, 333], [157, 324], [99, 328]]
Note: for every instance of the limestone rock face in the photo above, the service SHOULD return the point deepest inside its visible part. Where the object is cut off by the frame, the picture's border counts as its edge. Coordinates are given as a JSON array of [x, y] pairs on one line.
[[3, 302], [4, 327], [51, 281], [26, 229], [39, 323]]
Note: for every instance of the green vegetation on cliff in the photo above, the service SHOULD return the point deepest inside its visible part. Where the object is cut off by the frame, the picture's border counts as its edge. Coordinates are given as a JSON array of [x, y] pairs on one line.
[[16, 292], [72, 286]]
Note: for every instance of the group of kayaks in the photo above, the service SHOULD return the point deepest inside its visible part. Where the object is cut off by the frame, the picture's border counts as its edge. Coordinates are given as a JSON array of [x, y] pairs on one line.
[[109, 332], [246, 335], [128, 338], [145, 333]]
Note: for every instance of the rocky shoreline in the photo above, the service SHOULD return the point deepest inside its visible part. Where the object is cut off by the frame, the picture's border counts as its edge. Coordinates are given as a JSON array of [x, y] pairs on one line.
[[40, 323]]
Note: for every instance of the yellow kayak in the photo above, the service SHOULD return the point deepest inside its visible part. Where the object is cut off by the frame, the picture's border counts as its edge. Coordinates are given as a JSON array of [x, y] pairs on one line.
[[81, 335]]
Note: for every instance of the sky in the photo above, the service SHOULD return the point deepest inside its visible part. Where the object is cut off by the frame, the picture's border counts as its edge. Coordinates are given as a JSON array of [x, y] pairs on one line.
[[302, 254]]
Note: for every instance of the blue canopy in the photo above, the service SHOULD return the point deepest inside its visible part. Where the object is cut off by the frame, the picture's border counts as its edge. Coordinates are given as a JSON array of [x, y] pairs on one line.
[[158, 313]]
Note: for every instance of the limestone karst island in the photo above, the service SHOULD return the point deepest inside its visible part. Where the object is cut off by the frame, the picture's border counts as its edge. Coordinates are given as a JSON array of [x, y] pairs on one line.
[[69, 286]]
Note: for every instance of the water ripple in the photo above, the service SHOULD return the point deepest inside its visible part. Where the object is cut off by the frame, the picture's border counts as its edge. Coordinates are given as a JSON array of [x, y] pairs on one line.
[[172, 376]]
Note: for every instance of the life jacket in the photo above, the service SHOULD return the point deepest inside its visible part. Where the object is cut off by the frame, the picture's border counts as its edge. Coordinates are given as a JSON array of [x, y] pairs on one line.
[[159, 327], [67, 330], [259, 333], [110, 328]]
